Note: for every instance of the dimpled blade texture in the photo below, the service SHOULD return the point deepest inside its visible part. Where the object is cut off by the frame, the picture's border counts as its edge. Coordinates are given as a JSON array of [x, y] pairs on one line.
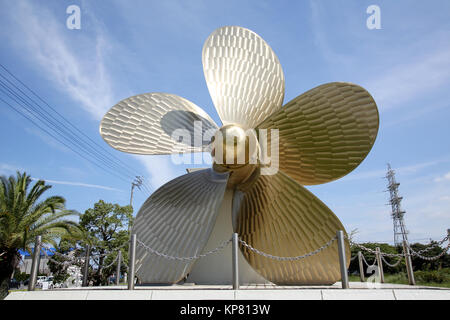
[[143, 124], [177, 220], [244, 76], [324, 133], [280, 217]]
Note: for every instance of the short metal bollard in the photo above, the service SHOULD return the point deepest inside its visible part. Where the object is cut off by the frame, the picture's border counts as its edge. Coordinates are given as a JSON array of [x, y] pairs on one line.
[[380, 264], [35, 264], [86, 266], [342, 262], [235, 258], [361, 267], [409, 268], [132, 262], [118, 267]]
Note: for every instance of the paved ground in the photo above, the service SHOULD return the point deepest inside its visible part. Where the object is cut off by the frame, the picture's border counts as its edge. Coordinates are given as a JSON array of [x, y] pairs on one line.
[[357, 291]]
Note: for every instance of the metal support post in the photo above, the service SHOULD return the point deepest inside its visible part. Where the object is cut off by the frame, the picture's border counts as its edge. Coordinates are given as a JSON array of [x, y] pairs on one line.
[[86, 266], [235, 256], [361, 267], [35, 264], [131, 263], [342, 260], [119, 257], [380, 264], [409, 268]]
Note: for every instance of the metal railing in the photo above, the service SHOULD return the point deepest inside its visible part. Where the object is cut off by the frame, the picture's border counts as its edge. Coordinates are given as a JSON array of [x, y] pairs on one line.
[[380, 257]]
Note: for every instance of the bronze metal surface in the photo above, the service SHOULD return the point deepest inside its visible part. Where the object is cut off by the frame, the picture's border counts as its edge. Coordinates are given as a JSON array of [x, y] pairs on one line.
[[243, 74], [144, 124], [177, 220], [280, 217], [325, 133]]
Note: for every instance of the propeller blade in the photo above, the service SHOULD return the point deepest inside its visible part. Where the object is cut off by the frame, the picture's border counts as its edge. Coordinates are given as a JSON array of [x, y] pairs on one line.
[[177, 220], [280, 217], [144, 124], [325, 133], [244, 76]]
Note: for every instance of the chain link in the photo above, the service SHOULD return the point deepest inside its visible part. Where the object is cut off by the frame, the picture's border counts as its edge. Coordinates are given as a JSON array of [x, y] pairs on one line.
[[365, 261], [375, 252], [431, 246], [114, 261], [72, 259], [152, 251], [413, 253], [391, 265], [326, 245], [417, 254]]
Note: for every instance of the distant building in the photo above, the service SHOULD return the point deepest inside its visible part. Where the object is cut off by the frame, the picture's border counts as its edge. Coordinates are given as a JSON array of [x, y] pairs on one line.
[[27, 260]]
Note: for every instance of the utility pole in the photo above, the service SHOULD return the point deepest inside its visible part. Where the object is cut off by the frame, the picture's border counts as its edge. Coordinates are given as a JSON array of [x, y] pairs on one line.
[[137, 182]]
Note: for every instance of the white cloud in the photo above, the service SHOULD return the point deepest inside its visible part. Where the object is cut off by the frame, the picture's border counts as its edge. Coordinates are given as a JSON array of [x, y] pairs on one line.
[[159, 167], [409, 169], [7, 169], [42, 41], [406, 81], [445, 177], [79, 184], [320, 38]]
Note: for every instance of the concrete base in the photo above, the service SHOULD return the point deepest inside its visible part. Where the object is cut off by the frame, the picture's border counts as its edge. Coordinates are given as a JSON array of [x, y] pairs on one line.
[[357, 291]]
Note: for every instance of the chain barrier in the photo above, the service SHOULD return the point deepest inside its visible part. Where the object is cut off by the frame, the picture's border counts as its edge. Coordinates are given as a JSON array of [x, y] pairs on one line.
[[417, 254], [326, 245], [152, 251], [365, 261], [353, 258], [114, 261], [391, 265], [72, 259], [431, 246], [392, 255], [412, 253]]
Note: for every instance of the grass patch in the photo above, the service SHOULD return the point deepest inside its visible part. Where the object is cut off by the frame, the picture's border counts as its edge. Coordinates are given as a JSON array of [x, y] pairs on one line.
[[423, 278]]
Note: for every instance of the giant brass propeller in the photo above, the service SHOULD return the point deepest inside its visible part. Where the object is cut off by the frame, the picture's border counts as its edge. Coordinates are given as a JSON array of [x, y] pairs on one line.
[[324, 134]]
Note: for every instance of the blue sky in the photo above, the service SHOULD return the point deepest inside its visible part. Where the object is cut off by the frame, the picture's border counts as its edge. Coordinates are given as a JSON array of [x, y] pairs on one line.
[[130, 47]]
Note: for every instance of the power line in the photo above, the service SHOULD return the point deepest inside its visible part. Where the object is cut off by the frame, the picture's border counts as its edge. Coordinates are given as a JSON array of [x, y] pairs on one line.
[[52, 123], [52, 126], [68, 122], [73, 138], [57, 139]]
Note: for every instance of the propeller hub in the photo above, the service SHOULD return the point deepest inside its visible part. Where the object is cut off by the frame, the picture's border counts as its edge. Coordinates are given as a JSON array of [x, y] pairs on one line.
[[234, 147], [235, 150]]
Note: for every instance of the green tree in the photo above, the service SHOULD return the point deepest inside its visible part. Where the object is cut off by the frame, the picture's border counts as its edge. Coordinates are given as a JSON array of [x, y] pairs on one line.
[[59, 262], [107, 226], [23, 217]]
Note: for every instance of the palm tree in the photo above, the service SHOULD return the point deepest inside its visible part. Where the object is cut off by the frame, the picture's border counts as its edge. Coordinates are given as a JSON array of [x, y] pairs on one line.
[[23, 217]]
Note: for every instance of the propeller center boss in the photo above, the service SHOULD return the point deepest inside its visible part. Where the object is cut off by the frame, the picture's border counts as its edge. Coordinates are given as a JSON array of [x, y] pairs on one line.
[[236, 150]]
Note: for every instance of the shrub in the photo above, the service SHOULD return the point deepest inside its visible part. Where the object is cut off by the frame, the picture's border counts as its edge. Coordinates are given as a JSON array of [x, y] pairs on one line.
[[436, 276]]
